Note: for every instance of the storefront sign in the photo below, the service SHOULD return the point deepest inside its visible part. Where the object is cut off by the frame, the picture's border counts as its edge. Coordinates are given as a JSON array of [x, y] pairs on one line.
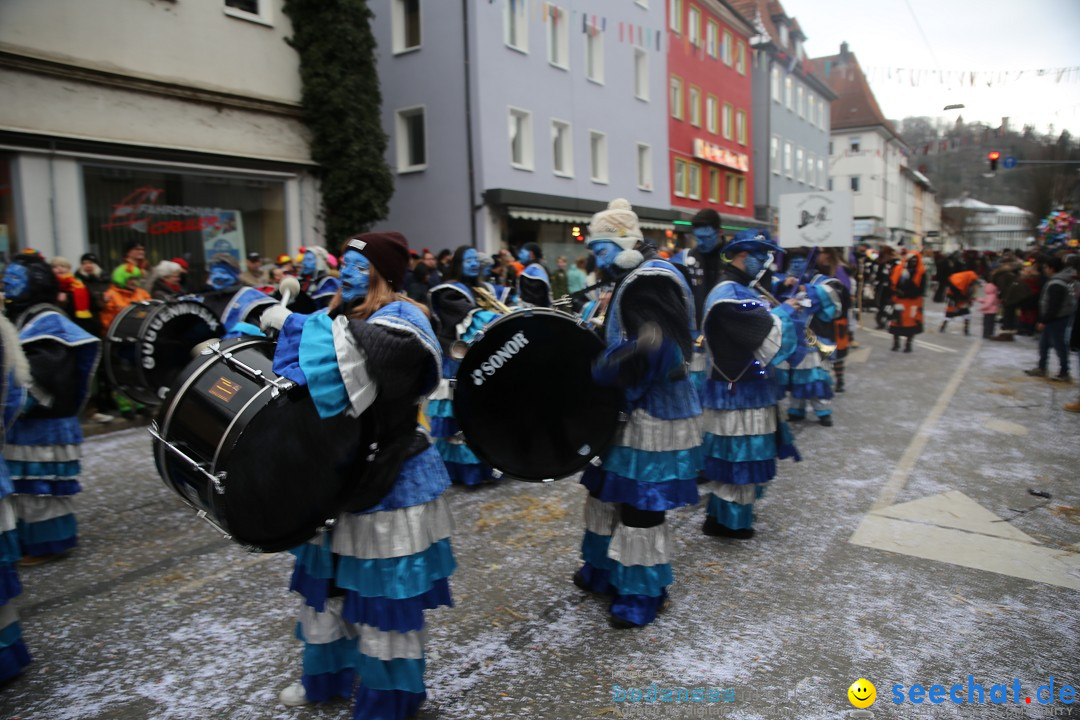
[[721, 156], [139, 210]]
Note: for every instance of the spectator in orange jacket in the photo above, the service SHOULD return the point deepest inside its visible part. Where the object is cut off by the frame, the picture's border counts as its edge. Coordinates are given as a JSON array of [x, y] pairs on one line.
[[126, 289]]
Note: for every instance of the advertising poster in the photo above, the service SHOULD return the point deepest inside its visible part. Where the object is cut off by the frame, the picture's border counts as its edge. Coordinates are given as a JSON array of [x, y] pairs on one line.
[[225, 236]]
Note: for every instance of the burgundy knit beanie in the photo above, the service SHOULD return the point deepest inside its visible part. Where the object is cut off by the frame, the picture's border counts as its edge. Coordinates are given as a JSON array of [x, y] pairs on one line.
[[387, 251]]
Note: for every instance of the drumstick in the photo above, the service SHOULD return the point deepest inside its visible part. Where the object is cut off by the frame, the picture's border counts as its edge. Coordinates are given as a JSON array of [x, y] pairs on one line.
[[290, 288]]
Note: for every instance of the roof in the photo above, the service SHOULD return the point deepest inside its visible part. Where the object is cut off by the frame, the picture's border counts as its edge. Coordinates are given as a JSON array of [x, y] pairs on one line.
[[766, 11], [855, 104], [969, 203]]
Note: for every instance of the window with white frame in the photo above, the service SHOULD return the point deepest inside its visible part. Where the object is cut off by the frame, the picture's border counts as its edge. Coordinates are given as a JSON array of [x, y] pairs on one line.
[[254, 10], [411, 144], [854, 183], [800, 172], [855, 143], [821, 115], [714, 185], [712, 34], [694, 96], [644, 166], [693, 181], [727, 120], [830, 184], [788, 165], [783, 35], [675, 14], [740, 127], [562, 148], [679, 179], [712, 114], [774, 154], [774, 83], [521, 139], [726, 49], [693, 25], [740, 58], [732, 189], [740, 198], [406, 25], [598, 159], [676, 97], [811, 107], [811, 170], [822, 178], [642, 3], [516, 25], [788, 92], [641, 74], [594, 55], [558, 36], [800, 105]]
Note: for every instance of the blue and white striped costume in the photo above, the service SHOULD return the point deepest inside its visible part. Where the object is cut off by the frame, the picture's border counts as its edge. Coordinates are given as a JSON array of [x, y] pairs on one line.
[[366, 582], [534, 286], [44, 445], [810, 378], [743, 435], [13, 653], [652, 466], [449, 301]]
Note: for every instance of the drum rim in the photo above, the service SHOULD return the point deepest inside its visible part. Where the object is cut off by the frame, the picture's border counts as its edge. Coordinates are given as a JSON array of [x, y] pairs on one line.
[[529, 312], [225, 437]]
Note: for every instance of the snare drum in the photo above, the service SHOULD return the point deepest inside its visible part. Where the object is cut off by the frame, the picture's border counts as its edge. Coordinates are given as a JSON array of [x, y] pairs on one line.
[[150, 342], [247, 449], [543, 359]]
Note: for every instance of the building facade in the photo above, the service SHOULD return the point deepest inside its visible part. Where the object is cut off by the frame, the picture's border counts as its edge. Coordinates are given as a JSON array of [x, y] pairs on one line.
[[710, 129], [176, 124], [980, 226], [514, 121], [791, 111]]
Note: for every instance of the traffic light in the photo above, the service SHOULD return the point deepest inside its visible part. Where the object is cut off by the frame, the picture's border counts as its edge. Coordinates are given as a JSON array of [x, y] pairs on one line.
[[993, 156], [575, 232]]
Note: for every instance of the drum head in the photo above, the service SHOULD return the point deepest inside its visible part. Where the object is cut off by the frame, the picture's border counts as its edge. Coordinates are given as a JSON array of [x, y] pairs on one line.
[[525, 398]]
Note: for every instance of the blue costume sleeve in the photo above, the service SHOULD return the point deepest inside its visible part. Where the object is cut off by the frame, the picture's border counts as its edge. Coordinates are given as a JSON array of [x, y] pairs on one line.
[[823, 305], [319, 363], [287, 353], [789, 334]]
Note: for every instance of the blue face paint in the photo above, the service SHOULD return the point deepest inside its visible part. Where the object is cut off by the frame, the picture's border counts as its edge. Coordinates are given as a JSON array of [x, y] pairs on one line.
[[355, 276], [470, 263], [755, 262], [524, 256], [706, 237], [307, 267], [222, 276], [605, 252], [796, 267], [16, 279]]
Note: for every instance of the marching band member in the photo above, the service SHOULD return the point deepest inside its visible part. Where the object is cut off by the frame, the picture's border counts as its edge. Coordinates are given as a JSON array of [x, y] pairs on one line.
[[830, 265], [366, 582], [908, 284], [805, 376], [317, 286], [533, 283], [456, 305], [43, 445], [653, 465], [701, 265], [743, 431], [14, 656], [236, 305]]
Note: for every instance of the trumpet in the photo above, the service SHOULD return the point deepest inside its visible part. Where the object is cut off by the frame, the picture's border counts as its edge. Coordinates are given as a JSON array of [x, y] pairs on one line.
[[812, 340], [487, 301]]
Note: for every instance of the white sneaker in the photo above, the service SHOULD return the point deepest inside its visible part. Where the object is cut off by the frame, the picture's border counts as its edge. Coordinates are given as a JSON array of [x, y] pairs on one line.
[[294, 696], [101, 418]]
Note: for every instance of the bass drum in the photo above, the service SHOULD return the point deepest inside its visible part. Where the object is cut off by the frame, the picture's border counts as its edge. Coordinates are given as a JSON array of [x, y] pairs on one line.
[[150, 342], [247, 449], [537, 362]]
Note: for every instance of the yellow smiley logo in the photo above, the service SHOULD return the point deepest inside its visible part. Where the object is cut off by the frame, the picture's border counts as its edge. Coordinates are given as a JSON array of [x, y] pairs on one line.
[[862, 693]]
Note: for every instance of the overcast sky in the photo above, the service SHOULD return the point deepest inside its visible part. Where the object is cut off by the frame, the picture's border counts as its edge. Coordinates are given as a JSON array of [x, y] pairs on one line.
[[985, 36]]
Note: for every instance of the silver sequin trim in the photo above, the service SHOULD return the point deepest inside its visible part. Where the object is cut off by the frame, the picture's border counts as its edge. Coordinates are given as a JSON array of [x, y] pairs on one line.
[[600, 516], [644, 432], [352, 362], [748, 421], [640, 546], [389, 645], [393, 533]]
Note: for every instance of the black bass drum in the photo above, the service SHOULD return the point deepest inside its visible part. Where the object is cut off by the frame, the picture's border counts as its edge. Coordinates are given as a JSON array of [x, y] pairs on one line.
[[247, 449], [525, 399], [150, 342]]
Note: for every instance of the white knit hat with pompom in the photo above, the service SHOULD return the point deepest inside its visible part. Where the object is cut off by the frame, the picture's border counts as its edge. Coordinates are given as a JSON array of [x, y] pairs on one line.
[[619, 224]]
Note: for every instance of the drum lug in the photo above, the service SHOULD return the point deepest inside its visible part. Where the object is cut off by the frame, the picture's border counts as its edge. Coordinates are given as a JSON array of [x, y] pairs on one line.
[[596, 461], [496, 474], [623, 417], [215, 480], [374, 448], [205, 516]]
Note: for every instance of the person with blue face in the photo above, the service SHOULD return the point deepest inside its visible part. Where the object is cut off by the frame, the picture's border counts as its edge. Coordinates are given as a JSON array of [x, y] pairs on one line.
[[16, 280], [317, 286], [223, 275], [648, 471], [309, 264], [463, 307], [533, 284], [355, 276], [745, 340]]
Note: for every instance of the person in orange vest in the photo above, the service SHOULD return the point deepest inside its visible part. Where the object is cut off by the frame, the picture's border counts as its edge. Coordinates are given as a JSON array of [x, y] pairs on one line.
[[961, 288], [126, 289]]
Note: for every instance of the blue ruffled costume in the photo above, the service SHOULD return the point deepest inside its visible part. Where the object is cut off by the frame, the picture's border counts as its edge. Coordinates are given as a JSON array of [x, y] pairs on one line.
[[13, 653], [743, 434], [651, 468], [43, 450], [806, 376], [366, 583]]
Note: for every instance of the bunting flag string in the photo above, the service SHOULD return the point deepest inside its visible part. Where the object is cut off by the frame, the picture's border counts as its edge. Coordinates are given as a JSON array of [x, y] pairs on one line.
[[916, 77]]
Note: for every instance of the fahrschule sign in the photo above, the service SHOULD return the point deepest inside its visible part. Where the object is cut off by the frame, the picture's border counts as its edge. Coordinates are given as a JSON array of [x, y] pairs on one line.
[[816, 218]]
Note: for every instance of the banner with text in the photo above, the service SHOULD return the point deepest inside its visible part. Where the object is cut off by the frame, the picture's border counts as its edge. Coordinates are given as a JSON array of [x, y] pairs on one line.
[[816, 218]]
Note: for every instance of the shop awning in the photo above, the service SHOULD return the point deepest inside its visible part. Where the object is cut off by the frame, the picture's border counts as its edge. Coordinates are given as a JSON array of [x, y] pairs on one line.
[[521, 213]]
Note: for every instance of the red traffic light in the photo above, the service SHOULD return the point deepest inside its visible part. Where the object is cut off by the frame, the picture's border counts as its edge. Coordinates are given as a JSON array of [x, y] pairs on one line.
[[993, 155]]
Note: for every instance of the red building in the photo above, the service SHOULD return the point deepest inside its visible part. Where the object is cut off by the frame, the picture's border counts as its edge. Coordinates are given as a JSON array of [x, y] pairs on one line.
[[709, 103]]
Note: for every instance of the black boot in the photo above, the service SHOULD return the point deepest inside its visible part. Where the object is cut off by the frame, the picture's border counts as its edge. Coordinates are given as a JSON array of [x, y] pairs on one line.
[[943, 324], [895, 342], [967, 326], [715, 529], [907, 345]]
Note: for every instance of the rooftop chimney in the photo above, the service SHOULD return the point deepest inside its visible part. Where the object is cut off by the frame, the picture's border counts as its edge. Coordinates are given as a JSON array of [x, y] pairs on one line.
[[843, 50]]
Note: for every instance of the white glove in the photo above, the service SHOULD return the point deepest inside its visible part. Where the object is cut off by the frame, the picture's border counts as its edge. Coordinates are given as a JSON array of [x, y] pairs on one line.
[[274, 317]]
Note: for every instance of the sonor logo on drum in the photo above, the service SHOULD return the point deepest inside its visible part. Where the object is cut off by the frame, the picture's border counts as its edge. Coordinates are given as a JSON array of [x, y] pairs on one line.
[[499, 358]]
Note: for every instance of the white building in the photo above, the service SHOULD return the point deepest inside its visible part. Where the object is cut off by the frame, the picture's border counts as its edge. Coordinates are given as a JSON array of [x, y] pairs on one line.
[[981, 226], [174, 123]]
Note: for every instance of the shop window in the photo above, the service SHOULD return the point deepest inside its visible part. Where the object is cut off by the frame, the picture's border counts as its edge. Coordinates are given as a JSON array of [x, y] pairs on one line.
[[406, 22], [178, 214]]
